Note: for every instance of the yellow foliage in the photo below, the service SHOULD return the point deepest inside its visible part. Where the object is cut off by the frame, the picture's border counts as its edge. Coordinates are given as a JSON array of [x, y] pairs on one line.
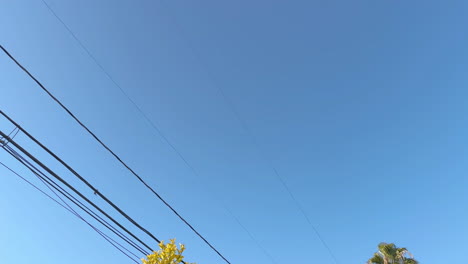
[[167, 254]]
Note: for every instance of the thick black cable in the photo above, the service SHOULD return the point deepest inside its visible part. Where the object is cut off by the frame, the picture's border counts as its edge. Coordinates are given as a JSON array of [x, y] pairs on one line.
[[244, 126], [95, 190], [106, 237], [49, 185], [83, 207], [73, 199], [9, 134], [231, 106], [114, 154], [68, 209], [145, 116], [62, 191], [29, 155]]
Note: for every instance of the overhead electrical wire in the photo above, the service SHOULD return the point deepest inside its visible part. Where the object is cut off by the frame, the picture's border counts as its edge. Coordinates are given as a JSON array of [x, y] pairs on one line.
[[73, 199], [170, 144], [34, 170], [276, 173], [116, 156], [43, 166], [245, 127], [9, 134], [278, 176], [16, 155], [13, 131], [231, 107], [107, 238], [51, 185], [150, 122]]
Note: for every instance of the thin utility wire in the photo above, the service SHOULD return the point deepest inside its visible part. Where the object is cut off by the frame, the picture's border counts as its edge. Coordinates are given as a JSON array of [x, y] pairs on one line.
[[43, 166], [9, 134], [116, 156], [81, 178], [225, 97], [259, 245], [107, 238], [93, 58], [13, 131], [68, 209], [66, 194], [278, 176], [249, 133], [148, 120], [74, 200], [50, 186], [32, 168]]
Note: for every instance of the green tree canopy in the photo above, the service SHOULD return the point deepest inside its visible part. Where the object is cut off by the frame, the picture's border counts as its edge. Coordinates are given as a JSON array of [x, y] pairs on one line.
[[391, 254]]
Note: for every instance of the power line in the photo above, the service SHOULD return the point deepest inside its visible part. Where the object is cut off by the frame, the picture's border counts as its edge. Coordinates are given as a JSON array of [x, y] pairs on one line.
[[231, 106], [23, 161], [30, 156], [70, 210], [70, 197], [259, 245], [51, 185], [9, 134], [279, 177], [275, 171], [13, 131], [107, 238], [94, 189], [150, 122], [252, 137], [33, 169], [116, 156]]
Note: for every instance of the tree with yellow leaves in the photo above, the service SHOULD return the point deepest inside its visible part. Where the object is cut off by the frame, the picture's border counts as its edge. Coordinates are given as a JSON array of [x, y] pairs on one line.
[[167, 254]]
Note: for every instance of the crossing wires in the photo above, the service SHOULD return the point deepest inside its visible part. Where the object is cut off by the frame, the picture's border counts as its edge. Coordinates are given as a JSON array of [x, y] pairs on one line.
[[67, 207], [252, 137], [55, 186], [150, 122], [112, 153], [64, 182]]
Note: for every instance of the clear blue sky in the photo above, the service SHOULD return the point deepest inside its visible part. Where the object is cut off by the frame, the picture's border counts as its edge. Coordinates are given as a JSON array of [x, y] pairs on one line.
[[360, 106]]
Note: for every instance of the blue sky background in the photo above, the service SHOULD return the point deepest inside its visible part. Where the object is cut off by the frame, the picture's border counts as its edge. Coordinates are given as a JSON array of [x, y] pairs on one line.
[[359, 105]]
